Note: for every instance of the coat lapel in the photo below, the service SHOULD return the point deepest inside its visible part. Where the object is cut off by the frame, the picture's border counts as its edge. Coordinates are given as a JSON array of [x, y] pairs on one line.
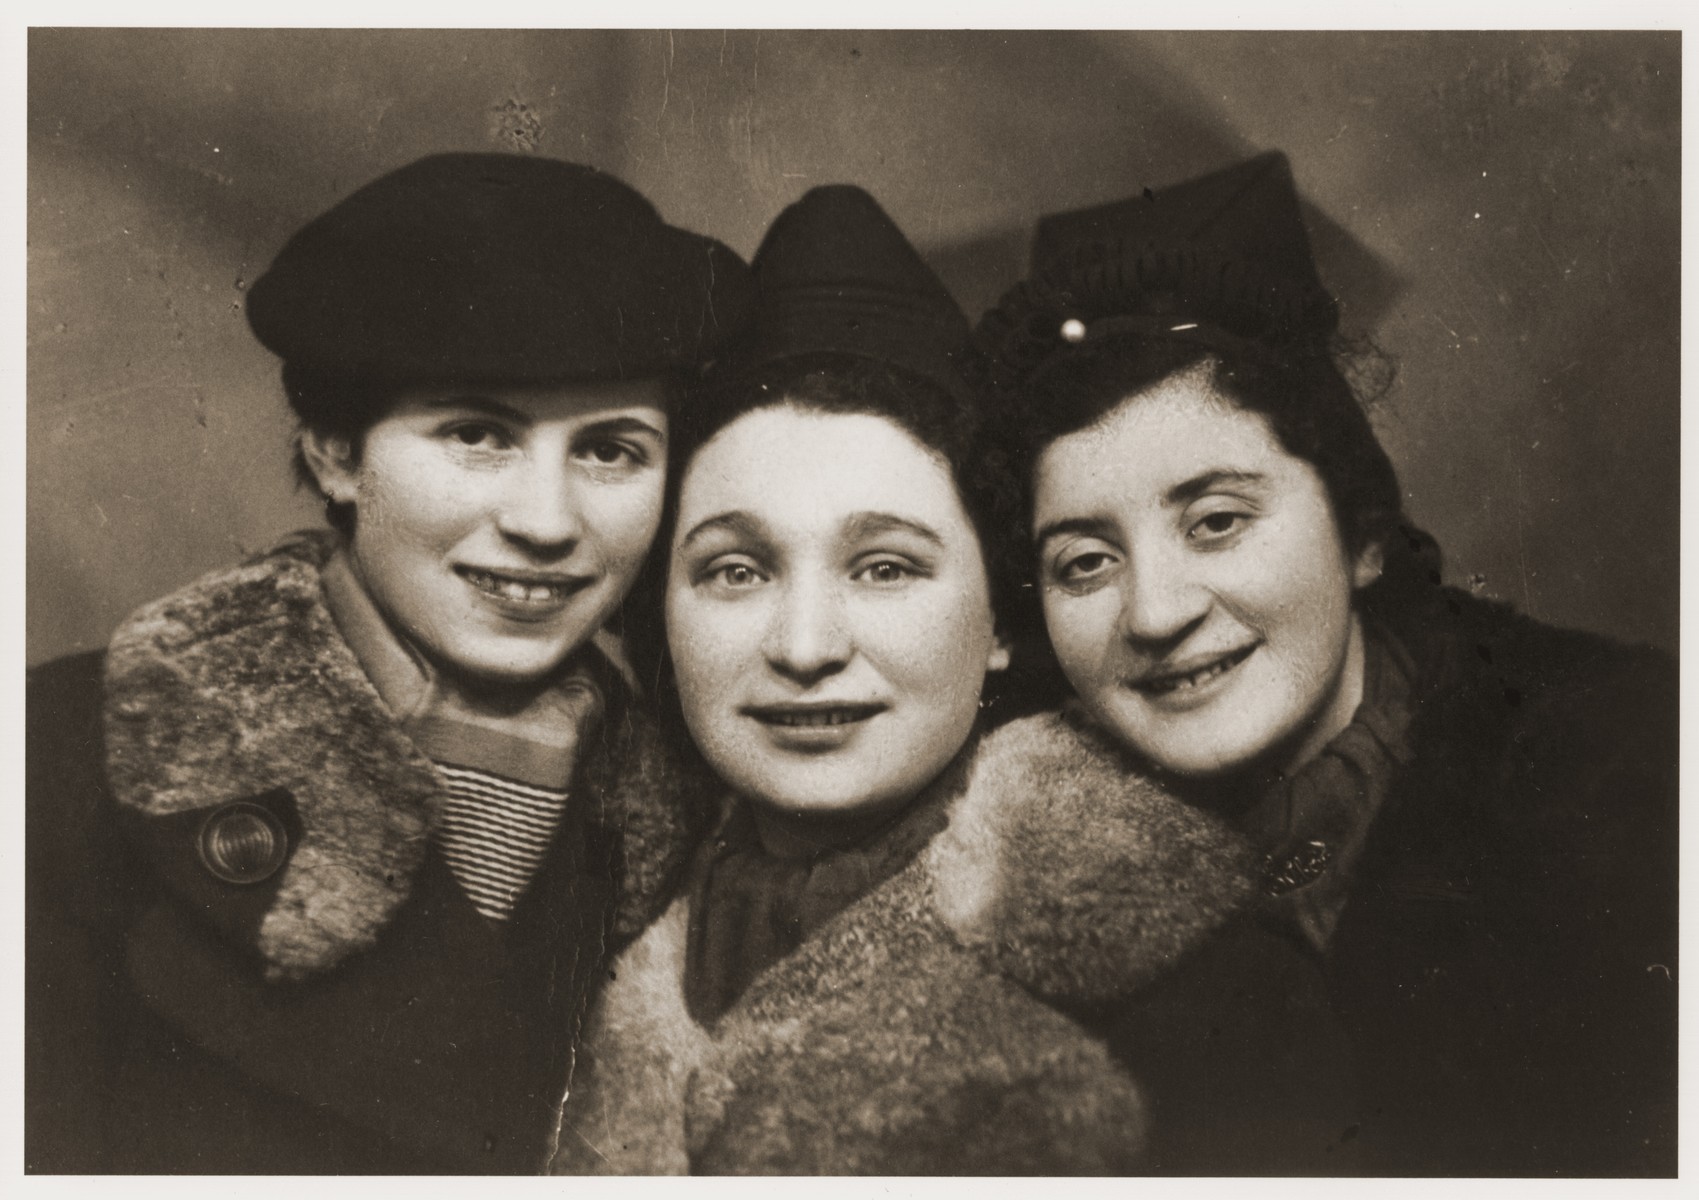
[[240, 686]]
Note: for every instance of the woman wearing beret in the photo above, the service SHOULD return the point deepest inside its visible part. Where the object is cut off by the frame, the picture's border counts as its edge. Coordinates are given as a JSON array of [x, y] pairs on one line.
[[1467, 818], [327, 849], [885, 946]]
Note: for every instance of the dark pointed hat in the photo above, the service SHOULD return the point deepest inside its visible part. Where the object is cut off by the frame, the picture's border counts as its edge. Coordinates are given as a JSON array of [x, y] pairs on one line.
[[835, 274]]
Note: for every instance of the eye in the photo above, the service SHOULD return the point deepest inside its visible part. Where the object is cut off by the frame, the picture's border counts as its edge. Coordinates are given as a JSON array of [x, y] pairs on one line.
[[479, 435], [736, 575], [886, 572], [1216, 526], [1083, 567], [613, 453]]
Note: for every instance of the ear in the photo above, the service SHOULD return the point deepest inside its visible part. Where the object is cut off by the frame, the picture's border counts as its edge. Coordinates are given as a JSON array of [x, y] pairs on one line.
[[1371, 561], [331, 459], [998, 659]]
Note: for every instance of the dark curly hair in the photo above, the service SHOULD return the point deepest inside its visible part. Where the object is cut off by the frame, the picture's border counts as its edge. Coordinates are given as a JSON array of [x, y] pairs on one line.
[[1110, 321]]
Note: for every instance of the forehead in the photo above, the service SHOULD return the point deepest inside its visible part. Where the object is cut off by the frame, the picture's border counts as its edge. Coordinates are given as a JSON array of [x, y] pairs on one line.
[[803, 470], [1161, 437]]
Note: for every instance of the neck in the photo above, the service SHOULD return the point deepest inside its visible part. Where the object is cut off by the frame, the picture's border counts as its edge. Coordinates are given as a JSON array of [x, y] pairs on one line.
[[1341, 705], [788, 833]]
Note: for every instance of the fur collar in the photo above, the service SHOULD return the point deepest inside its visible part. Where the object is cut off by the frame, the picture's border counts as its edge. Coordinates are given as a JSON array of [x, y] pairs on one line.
[[1063, 871], [241, 683], [1075, 873]]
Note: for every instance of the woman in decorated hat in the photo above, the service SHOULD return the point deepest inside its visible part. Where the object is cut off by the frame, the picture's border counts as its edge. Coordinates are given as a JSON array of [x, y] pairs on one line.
[[1466, 817], [327, 850], [883, 949]]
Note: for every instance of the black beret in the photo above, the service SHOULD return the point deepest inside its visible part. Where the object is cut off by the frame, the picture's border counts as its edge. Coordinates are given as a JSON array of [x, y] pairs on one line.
[[835, 274], [497, 267]]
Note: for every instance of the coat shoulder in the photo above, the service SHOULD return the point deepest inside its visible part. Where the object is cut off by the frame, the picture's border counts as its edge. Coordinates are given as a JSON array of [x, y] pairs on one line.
[[1081, 875], [1568, 738], [65, 791]]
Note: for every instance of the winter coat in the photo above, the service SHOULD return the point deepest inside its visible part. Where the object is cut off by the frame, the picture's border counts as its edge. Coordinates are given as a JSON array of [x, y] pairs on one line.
[[1507, 964], [350, 1012], [1503, 970], [928, 1028]]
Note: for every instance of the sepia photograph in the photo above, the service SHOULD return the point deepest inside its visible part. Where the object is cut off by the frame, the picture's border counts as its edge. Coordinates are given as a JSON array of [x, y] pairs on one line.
[[852, 602]]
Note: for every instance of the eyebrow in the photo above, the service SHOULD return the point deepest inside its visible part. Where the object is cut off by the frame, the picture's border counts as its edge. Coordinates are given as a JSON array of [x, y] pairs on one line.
[[737, 521], [622, 425], [483, 404], [856, 526], [871, 524], [1089, 526], [1203, 481]]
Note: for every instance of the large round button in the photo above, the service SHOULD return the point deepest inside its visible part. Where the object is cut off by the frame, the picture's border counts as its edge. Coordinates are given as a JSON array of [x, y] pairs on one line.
[[243, 843]]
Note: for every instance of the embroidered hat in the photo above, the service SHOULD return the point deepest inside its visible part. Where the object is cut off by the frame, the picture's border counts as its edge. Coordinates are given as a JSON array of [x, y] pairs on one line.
[[835, 274], [1222, 258], [497, 267]]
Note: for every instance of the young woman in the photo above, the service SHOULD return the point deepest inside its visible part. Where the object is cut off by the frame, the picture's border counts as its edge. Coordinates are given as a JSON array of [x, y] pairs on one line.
[[326, 849], [1467, 816], [877, 962]]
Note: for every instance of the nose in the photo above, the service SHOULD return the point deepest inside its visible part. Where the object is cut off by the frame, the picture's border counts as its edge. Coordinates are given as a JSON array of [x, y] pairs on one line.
[[1161, 603], [539, 508], [807, 638]]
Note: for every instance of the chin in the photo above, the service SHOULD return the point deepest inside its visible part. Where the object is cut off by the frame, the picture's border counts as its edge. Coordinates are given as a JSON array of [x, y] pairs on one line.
[[819, 794], [1191, 754], [516, 666]]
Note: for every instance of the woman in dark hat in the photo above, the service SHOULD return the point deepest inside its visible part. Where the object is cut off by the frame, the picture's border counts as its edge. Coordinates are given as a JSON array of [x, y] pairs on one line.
[[882, 948], [327, 850], [1467, 818]]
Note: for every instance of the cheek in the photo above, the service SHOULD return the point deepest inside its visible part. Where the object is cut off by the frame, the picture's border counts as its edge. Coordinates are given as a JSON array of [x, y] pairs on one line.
[[711, 645], [1303, 603], [938, 645], [623, 520], [1082, 629], [409, 504]]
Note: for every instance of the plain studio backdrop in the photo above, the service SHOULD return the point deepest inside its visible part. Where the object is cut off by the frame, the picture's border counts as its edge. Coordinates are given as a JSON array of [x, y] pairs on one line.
[[1499, 211]]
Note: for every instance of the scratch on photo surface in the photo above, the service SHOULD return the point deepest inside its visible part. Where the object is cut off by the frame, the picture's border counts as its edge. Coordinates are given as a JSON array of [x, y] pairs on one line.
[[666, 80]]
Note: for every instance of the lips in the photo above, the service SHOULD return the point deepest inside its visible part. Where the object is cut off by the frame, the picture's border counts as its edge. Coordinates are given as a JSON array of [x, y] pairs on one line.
[[530, 588], [813, 716], [1180, 683], [814, 728]]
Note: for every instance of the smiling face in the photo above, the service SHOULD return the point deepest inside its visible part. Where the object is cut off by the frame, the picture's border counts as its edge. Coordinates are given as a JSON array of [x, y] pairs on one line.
[[498, 528], [827, 610], [1195, 586]]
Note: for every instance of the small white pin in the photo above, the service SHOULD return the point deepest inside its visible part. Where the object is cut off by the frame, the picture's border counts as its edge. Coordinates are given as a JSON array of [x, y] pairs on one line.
[[1073, 330]]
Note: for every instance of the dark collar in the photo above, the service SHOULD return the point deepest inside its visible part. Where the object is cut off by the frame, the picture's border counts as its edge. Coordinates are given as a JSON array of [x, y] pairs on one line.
[[1313, 826]]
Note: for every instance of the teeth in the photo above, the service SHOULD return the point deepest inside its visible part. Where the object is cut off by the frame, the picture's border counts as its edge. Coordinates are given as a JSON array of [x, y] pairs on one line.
[[1184, 683], [513, 589], [835, 716]]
